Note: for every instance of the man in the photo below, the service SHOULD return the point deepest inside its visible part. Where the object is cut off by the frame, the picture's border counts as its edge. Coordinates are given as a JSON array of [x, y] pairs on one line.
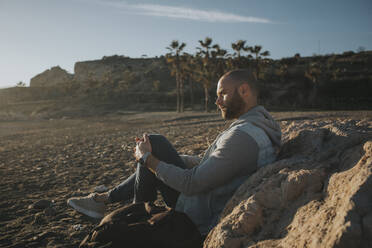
[[201, 192]]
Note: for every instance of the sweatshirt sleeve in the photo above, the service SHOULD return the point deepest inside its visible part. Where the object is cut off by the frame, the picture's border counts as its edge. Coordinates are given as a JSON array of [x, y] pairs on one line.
[[235, 155]]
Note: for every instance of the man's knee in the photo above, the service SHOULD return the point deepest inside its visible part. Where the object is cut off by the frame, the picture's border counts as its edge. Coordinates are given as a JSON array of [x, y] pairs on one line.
[[163, 150], [157, 139]]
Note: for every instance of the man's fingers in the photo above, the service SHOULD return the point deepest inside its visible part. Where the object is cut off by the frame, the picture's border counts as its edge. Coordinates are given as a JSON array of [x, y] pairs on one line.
[[139, 140], [145, 138]]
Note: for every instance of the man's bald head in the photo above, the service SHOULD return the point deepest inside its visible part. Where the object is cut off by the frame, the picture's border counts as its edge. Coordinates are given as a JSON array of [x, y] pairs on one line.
[[237, 93], [242, 76]]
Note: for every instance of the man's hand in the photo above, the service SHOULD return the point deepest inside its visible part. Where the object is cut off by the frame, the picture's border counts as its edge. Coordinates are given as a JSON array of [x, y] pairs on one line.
[[143, 146]]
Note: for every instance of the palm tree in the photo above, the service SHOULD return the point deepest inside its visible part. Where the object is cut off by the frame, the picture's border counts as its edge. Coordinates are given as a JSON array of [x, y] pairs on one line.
[[220, 61], [174, 60], [183, 74], [206, 44], [210, 64], [239, 47], [189, 69], [205, 69], [256, 50], [219, 57]]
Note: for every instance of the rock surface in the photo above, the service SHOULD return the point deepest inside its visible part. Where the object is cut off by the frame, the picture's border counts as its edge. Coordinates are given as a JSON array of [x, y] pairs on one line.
[[318, 194], [51, 77]]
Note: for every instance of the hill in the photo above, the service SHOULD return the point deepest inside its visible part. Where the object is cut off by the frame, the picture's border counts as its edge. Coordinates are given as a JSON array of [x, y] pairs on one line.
[[342, 81]]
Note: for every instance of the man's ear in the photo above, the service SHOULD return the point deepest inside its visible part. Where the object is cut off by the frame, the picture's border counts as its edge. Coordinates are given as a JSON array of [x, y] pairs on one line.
[[244, 90]]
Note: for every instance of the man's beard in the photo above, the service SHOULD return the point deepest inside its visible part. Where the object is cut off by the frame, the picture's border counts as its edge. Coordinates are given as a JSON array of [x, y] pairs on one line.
[[234, 108]]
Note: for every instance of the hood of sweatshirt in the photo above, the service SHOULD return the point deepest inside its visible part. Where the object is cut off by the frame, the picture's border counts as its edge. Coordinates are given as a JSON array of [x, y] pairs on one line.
[[261, 118]]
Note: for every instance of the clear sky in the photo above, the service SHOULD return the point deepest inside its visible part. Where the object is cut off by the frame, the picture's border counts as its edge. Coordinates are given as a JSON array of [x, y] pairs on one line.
[[38, 34]]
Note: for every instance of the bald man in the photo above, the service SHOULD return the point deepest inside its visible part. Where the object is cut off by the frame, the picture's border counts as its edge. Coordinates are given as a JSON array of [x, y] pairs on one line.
[[250, 142]]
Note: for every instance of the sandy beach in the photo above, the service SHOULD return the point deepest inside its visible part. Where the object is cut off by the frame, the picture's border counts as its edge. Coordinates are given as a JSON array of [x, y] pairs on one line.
[[44, 162]]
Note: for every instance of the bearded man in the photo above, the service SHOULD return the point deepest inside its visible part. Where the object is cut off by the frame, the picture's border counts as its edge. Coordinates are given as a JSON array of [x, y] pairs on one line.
[[250, 142]]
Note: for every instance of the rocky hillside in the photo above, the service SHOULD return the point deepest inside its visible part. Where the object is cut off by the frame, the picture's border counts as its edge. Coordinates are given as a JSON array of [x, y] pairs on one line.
[[52, 77], [115, 71], [341, 81], [328, 81]]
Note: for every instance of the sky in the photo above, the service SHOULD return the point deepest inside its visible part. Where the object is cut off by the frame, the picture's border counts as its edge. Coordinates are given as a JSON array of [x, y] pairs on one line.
[[36, 35]]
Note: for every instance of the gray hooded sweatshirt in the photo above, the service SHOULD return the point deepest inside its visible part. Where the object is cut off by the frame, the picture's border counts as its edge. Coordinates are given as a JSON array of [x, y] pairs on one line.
[[252, 141]]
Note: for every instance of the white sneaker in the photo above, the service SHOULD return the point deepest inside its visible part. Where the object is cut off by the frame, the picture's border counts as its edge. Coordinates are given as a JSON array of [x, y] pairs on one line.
[[88, 206]]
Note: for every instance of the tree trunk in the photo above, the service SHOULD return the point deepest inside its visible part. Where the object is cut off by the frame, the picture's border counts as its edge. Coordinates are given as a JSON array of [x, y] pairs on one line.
[[182, 96], [191, 94], [178, 93], [257, 69], [206, 98]]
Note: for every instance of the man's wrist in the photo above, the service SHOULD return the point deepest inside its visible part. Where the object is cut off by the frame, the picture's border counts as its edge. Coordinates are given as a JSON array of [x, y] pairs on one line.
[[152, 163], [143, 159]]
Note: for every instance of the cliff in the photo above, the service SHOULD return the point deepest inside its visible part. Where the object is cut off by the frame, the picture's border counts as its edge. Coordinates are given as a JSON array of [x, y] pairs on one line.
[[52, 77], [112, 67]]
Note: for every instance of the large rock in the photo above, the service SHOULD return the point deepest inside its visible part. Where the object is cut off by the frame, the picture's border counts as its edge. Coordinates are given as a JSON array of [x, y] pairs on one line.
[[318, 194], [134, 74], [110, 68], [52, 77]]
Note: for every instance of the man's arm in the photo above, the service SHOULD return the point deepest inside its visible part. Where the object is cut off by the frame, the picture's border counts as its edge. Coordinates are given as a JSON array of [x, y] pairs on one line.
[[144, 146], [190, 161], [236, 155]]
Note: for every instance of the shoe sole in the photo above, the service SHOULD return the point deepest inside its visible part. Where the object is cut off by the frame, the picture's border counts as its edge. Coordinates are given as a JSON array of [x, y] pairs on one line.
[[89, 213]]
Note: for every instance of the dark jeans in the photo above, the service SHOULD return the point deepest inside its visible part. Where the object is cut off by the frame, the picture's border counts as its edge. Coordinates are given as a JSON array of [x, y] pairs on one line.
[[142, 186]]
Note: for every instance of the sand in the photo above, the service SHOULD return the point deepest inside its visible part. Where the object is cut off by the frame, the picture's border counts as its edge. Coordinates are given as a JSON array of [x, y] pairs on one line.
[[44, 162]]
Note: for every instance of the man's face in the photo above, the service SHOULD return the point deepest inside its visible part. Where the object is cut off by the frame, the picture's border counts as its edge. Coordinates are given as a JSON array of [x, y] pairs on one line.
[[228, 100]]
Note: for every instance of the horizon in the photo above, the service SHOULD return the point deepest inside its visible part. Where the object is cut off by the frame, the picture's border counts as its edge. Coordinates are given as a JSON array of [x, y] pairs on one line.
[[44, 34]]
